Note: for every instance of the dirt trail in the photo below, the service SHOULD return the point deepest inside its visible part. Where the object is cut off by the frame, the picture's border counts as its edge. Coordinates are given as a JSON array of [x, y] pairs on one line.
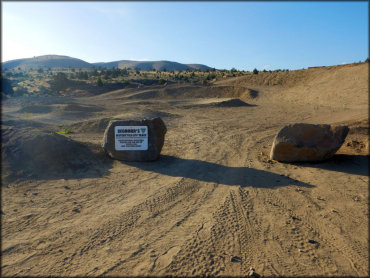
[[213, 204]]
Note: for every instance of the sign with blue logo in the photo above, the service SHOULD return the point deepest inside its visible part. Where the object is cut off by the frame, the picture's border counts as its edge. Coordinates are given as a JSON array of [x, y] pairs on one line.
[[131, 138]]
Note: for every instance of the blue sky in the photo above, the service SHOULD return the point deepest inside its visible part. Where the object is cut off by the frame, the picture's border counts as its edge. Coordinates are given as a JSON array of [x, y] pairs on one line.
[[243, 35]]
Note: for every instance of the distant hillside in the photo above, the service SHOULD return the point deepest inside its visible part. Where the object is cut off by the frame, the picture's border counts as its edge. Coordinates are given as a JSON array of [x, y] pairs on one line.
[[45, 62], [149, 65], [57, 61]]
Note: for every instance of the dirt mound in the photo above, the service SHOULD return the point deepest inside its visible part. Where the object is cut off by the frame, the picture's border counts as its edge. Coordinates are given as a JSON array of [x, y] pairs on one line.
[[359, 127], [22, 123], [235, 102], [357, 141], [183, 92], [33, 153], [74, 107], [342, 87], [37, 109], [91, 126], [99, 125], [149, 114]]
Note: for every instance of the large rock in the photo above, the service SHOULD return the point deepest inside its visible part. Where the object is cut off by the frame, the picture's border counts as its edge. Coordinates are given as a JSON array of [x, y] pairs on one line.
[[307, 142], [134, 140]]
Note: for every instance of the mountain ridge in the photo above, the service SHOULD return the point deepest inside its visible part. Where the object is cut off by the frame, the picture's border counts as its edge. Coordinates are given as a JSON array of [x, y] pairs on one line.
[[62, 61]]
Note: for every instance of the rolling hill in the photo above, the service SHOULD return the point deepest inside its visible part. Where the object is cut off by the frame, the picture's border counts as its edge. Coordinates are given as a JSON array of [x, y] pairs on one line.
[[58, 61], [45, 62], [148, 65]]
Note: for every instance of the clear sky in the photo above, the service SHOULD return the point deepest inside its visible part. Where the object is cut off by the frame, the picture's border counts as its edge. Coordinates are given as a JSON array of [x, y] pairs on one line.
[[244, 35]]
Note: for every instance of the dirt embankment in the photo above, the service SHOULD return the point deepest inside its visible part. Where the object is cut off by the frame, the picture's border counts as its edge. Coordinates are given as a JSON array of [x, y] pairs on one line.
[[336, 86], [32, 153]]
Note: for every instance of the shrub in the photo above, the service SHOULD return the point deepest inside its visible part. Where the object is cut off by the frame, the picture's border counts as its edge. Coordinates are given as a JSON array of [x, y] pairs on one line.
[[60, 82], [65, 131], [6, 87], [255, 71], [20, 91], [100, 82], [161, 81]]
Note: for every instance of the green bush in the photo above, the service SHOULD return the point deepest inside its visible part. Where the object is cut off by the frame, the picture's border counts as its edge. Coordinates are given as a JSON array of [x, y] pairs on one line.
[[20, 91], [60, 82], [100, 82], [6, 87], [161, 81], [65, 131]]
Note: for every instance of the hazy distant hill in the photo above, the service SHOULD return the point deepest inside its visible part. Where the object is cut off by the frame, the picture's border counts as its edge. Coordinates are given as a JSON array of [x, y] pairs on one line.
[[148, 65], [58, 61], [46, 61]]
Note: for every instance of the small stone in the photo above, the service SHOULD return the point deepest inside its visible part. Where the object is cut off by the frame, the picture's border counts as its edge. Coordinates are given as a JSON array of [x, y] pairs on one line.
[[335, 211], [252, 273], [235, 259], [312, 241]]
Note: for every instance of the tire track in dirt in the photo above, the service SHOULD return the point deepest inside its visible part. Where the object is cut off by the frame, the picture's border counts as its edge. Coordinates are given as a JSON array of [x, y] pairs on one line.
[[326, 236], [224, 246], [136, 217], [329, 233], [185, 194]]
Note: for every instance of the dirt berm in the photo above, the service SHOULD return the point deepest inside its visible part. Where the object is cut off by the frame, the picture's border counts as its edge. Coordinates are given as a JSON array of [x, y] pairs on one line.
[[36, 153]]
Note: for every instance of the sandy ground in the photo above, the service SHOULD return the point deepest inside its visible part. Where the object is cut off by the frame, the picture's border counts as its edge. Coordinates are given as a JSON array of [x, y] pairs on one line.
[[213, 203]]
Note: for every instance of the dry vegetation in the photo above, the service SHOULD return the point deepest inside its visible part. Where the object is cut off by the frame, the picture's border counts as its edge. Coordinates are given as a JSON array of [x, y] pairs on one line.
[[82, 81]]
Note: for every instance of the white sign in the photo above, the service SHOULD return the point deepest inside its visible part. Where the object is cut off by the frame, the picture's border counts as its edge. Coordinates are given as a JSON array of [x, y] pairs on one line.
[[131, 138]]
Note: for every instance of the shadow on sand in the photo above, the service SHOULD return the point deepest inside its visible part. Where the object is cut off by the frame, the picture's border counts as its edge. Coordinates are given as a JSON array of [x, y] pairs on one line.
[[216, 173], [350, 164], [86, 164]]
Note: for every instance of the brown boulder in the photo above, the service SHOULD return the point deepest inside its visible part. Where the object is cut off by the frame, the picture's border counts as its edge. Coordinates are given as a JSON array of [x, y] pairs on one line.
[[307, 142], [134, 140]]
